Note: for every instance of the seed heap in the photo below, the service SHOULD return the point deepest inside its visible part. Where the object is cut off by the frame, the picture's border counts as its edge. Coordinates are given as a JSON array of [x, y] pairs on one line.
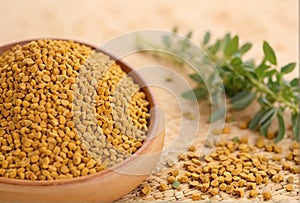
[[42, 105], [234, 168], [114, 94]]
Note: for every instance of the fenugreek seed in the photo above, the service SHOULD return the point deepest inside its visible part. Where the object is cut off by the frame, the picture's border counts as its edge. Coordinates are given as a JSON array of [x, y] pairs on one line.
[[183, 179], [214, 183], [221, 179], [194, 183], [170, 179], [235, 172], [265, 180], [174, 172], [244, 140], [192, 148], [45, 162], [290, 179], [34, 167], [84, 171], [260, 143], [272, 171], [214, 176], [259, 179], [241, 183], [289, 187], [277, 149], [214, 191], [267, 195], [223, 186], [196, 196], [276, 158], [170, 163], [243, 125], [239, 191], [204, 187], [91, 164], [253, 193], [251, 186], [229, 189], [64, 169], [62, 120], [226, 130], [295, 145], [12, 173], [163, 187], [294, 169], [28, 61]]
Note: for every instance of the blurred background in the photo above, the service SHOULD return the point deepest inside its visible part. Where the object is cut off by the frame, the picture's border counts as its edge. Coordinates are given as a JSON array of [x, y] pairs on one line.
[[96, 21]]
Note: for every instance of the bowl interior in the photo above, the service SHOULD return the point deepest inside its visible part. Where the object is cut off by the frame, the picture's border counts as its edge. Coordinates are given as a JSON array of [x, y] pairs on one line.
[[153, 124]]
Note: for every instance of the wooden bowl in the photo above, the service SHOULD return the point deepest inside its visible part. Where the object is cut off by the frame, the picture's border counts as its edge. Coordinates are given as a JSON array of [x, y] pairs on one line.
[[104, 186]]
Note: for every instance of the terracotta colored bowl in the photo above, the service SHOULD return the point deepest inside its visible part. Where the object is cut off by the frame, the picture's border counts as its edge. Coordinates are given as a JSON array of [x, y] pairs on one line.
[[107, 185]]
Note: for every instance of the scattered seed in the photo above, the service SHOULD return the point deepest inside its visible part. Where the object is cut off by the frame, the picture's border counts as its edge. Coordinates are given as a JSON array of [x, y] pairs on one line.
[[214, 191], [267, 195], [253, 193], [146, 189], [196, 196], [290, 179], [289, 187], [170, 163], [174, 172], [163, 187]]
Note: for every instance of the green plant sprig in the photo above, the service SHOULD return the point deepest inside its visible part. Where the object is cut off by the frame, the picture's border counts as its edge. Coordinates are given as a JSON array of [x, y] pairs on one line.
[[244, 80]]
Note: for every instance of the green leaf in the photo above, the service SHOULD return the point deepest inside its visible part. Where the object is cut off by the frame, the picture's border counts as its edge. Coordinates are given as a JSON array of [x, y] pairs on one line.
[[295, 82], [254, 121], [269, 53], [175, 184], [197, 93], [266, 121], [236, 61], [189, 35], [246, 47], [206, 38], [236, 139], [196, 77], [232, 46], [242, 100], [264, 101], [281, 127], [217, 114], [261, 70], [264, 128], [226, 40], [279, 77], [270, 73], [288, 68], [267, 116], [295, 125], [215, 48]]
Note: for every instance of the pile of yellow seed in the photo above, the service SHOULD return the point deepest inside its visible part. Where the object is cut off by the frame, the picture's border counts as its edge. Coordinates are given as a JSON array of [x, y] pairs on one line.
[[232, 168], [38, 135]]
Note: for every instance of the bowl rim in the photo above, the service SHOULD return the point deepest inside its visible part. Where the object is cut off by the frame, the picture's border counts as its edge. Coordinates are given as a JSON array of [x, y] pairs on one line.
[[153, 127]]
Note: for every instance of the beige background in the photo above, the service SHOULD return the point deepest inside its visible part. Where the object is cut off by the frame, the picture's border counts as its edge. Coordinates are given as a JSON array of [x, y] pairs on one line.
[[97, 21]]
